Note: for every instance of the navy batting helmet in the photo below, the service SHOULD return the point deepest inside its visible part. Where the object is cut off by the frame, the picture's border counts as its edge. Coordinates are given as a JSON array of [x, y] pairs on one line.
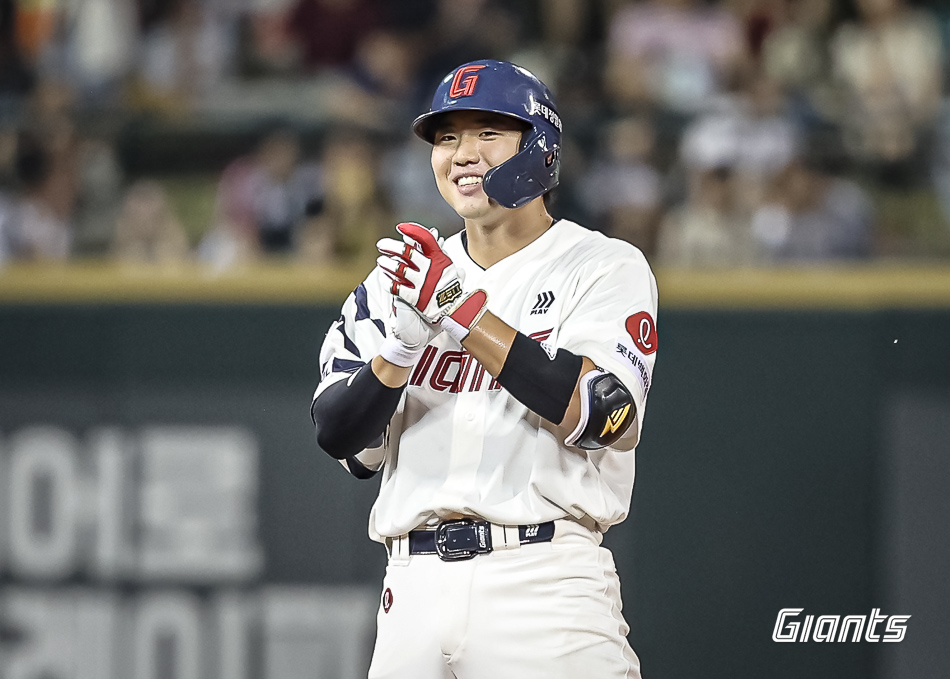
[[507, 89]]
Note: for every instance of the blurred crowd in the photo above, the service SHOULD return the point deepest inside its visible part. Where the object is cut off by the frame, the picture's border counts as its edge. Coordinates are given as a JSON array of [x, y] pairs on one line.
[[708, 133]]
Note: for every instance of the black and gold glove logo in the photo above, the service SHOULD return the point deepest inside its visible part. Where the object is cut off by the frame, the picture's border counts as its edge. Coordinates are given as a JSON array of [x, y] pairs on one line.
[[449, 294]]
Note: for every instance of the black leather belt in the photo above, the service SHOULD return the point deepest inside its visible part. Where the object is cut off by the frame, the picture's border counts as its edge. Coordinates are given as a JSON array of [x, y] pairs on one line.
[[461, 539]]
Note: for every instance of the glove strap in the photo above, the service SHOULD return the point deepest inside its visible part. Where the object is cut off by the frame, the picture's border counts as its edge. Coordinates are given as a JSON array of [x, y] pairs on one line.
[[461, 321]]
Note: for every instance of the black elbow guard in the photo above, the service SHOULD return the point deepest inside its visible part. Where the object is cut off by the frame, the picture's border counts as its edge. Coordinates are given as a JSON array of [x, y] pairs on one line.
[[351, 415], [607, 410]]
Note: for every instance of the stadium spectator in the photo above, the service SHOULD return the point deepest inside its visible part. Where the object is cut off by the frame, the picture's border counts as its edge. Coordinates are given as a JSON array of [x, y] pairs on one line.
[[352, 215], [622, 190], [795, 53], [460, 32], [5, 246], [675, 54], [750, 132], [410, 190], [709, 230], [889, 66], [99, 197], [16, 73], [184, 51], [94, 47], [262, 201], [732, 90], [39, 224], [329, 31], [813, 216], [147, 229]]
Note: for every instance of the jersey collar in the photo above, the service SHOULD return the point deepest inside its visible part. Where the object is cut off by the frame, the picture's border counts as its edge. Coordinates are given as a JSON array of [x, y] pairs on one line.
[[529, 247]]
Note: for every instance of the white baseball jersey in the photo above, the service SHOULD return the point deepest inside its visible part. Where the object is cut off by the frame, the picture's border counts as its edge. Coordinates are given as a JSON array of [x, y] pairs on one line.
[[459, 443]]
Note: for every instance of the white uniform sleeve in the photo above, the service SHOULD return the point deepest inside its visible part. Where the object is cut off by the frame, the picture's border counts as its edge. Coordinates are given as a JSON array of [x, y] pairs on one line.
[[352, 341], [611, 319]]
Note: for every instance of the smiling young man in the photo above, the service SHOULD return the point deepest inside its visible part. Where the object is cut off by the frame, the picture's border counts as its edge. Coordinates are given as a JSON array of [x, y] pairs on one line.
[[497, 382]]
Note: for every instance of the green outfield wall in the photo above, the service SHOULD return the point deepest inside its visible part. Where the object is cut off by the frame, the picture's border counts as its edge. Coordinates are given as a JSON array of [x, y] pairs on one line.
[[158, 476]]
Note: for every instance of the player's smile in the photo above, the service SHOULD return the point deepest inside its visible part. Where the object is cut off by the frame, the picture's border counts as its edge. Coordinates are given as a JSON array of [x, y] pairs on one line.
[[467, 144], [468, 184]]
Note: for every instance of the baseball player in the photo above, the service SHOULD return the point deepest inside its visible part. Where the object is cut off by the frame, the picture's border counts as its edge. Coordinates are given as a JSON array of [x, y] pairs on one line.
[[496, 382]]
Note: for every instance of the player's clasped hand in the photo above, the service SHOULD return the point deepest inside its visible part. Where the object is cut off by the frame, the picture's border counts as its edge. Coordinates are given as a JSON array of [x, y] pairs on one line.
[[409, 327], [421, 273]]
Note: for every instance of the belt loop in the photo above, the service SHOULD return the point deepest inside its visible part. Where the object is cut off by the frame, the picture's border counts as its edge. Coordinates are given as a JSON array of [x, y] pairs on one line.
[[399, 551], [504, 537], [513, 537]]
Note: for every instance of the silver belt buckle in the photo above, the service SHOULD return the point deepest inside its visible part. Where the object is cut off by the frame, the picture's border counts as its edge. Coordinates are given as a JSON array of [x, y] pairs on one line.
[[444, 539]]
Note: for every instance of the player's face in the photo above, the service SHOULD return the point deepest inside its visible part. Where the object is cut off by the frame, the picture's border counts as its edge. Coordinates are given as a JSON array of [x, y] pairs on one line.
[[467, 144]]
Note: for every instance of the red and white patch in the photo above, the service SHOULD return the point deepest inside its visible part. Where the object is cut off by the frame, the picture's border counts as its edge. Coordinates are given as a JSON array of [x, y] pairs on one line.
[[642, 331], [387, 600]]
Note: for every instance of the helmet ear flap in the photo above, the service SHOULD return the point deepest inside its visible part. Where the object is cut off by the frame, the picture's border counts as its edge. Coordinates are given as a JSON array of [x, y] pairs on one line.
[[528, 174]]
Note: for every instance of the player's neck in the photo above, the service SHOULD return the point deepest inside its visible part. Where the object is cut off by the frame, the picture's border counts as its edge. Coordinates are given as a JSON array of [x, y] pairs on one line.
[[491, 242]]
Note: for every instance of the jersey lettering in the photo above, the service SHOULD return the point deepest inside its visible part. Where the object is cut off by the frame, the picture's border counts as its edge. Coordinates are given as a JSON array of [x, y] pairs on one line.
[[537, 108], [420, 372], [477, 377], [463, 373], [439, 380], [642, 370], [452, 372]]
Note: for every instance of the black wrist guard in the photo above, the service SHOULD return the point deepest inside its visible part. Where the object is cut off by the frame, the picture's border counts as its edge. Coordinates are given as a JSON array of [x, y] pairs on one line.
[[607, 409], [542, 384]]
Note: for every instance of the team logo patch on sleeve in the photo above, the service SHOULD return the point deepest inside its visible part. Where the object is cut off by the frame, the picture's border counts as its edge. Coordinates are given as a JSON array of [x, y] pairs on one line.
[[387, 600], [642, 331]]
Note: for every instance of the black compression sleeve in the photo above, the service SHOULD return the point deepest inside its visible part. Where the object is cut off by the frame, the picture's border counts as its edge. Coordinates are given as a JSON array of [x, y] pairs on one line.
[[350, 417], [543, 385]]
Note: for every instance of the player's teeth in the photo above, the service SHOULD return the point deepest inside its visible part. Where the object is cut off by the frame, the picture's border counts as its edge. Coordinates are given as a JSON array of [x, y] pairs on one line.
[[468, 181]]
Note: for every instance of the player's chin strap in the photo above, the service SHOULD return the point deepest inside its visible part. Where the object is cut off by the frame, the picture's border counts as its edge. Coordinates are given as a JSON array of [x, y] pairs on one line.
[[466, 314], [607, 410]]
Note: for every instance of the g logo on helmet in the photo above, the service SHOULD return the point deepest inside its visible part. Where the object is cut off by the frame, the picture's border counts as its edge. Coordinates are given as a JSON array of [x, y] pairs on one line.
[[642, 331], [463, 85]]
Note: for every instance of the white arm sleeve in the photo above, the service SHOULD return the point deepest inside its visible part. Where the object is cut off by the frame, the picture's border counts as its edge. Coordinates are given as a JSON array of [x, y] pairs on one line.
[[611, 319], [352, 341]]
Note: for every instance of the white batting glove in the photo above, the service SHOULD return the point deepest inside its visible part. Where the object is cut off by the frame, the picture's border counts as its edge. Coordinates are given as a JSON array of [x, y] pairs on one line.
[[408, 336], [422, 274], [425, 278]]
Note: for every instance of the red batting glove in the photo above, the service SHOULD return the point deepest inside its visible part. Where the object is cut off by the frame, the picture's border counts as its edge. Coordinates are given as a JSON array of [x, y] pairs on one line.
[[425, 278]]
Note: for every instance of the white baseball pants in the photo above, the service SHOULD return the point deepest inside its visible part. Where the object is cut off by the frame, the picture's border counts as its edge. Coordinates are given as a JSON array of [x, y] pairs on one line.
[[546, 611]]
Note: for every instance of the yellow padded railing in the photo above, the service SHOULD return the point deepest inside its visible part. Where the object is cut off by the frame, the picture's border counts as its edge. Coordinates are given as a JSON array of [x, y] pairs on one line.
[[853, 287]]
